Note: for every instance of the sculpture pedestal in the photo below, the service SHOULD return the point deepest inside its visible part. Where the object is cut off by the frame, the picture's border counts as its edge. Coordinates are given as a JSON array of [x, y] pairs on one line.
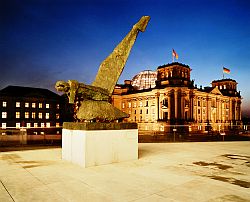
[[92, 144]]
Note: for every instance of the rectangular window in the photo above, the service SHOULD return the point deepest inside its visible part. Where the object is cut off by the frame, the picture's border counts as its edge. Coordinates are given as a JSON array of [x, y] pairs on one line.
[[123, 105], [27, 104], [48, 125], [17, 115], [57, 124], [40, 105], [18, 125], [27, 114], [57, 116], [141, 111], [140, 103], [47, 106], [129, 105], [153, 110], [4, 125], [146, 103], [28, 125], [4, 104], [134, 104], [40, 115], [33, 105], [33, 115], [57, 106], [47, 116], [18, 104], [42, 125], [4, 115], [35, 125]]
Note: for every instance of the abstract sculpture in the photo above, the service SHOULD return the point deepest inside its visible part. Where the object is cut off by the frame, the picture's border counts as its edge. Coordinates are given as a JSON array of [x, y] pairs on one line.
[[92, 102]]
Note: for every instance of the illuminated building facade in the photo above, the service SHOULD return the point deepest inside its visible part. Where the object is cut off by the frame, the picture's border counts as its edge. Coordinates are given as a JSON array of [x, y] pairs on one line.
[[30, 108], [175, 100]]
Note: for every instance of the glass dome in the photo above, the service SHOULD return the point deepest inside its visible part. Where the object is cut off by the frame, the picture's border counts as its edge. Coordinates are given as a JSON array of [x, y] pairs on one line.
[[144, 80]]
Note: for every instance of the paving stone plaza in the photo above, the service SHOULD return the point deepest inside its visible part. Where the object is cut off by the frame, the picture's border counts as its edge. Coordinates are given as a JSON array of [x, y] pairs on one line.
[[209, 171]]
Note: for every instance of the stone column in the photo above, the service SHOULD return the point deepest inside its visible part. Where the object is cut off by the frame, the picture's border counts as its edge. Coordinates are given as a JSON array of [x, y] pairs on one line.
[[176, 103], [157, 103], [169, 105], [230, 110], [209, 109], [191, 107]]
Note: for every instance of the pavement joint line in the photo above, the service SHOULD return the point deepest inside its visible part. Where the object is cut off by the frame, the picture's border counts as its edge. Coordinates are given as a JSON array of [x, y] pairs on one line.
[[7, 191]]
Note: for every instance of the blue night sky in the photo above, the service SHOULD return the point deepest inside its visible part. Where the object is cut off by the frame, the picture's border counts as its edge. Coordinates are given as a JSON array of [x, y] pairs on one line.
[[42, 41]]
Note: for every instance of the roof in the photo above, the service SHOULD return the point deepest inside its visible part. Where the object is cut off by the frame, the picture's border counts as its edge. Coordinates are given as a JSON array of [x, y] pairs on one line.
[[20, 91], [173, 64], [222, 80]]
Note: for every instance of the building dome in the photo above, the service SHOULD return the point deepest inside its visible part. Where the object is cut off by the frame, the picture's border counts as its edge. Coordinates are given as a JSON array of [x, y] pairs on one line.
[[144, 80]]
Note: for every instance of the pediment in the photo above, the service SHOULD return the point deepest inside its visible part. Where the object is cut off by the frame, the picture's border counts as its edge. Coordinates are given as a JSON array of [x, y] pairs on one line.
[[216, 91]]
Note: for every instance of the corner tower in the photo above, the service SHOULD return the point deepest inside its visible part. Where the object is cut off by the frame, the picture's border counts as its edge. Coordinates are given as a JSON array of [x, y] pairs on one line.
[[228, 87], [174, 74]]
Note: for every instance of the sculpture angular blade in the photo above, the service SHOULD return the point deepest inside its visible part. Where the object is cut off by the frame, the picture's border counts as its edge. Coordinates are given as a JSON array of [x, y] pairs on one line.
[[112, 67]]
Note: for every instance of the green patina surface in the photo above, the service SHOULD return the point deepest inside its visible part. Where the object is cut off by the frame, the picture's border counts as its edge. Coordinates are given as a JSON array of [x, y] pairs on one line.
[[98, 126]]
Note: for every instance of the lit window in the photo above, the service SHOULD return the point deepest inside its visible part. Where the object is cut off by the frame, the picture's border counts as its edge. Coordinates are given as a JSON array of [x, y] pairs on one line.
[[57, 124], [129, 105], [33, 115], [48, 125], [18, 125], [35, 125], [140, 103], [4, 104], [134, 104], [47, 115], [40, 115], [28, 125], [225, 87], [57, 116], [123, 105], [18, 104], [27, 104], [153, 110], [57, 106], [47, 106], [33, 105], [4, 125], [4, 115], [42, 125], [40, 105], [17, 115], [57, 132], [27, 115], [42, 133]]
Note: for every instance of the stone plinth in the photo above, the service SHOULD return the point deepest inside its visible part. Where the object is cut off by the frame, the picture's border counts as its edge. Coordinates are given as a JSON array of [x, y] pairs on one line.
[[92, 144]]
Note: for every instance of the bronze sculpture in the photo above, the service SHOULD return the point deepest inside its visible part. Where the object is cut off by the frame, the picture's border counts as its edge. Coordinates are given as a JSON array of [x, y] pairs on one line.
[[92, 102]]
